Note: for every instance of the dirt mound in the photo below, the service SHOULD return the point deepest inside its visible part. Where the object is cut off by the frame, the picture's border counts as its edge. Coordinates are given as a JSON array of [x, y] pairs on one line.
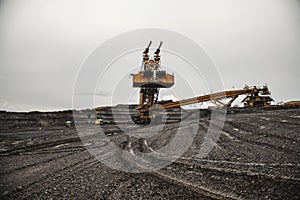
[[256, 157]]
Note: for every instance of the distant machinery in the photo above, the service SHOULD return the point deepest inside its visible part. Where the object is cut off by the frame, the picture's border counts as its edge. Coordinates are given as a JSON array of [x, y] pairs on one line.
[[151, 78], [254, 94], [257, 101]]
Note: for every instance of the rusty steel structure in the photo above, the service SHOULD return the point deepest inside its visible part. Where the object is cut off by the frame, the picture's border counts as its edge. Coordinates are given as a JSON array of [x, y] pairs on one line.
[[151, 78], [253, 92]]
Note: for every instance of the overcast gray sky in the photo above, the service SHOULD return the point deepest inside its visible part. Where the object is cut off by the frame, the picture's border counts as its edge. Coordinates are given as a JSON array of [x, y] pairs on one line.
[[43, 43]]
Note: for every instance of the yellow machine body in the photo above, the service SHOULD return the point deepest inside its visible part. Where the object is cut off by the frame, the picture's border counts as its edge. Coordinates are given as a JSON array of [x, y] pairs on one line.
[[159, 79]]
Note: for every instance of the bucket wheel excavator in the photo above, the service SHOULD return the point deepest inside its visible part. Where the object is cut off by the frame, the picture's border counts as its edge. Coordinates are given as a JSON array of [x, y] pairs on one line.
[[151, 78]]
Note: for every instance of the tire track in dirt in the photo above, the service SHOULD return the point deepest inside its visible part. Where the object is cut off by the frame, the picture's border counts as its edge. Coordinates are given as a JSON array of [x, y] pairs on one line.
[[54, 175]]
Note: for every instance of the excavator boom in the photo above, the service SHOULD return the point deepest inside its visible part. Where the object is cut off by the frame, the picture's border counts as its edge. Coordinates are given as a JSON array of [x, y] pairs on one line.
[[217, 96]]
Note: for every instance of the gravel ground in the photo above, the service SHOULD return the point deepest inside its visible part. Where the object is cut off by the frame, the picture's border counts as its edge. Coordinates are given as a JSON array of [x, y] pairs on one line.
[[256, 157]]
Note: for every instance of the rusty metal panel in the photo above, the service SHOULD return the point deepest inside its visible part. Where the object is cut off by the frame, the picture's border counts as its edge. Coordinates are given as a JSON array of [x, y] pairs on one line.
[[140, 80]]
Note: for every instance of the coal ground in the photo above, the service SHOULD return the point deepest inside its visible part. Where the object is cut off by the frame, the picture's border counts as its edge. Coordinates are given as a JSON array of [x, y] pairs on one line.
[[257, 156]]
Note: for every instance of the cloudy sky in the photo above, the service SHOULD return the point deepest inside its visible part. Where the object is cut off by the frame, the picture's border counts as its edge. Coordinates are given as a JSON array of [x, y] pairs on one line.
[[44, 43]]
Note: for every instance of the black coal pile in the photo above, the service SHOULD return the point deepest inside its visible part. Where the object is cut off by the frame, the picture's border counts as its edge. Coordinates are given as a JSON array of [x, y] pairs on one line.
[[256, 156]]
